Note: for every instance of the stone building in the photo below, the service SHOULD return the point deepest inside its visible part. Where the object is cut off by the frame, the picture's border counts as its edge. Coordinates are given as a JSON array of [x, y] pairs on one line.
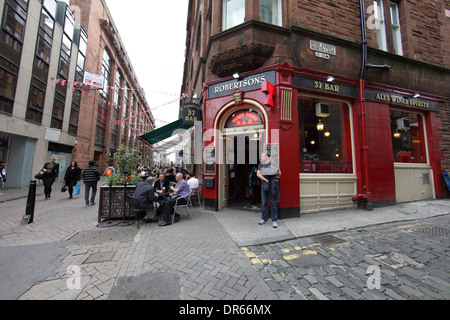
[[349, 97]]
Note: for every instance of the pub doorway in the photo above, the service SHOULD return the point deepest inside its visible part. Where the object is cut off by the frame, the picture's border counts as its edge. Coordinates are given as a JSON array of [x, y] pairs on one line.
[[242, 187]]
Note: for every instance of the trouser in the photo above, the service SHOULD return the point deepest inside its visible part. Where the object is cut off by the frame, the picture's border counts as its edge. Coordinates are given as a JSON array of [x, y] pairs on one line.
[[48, 182], [255, 195], [87, 186], [150, 214], [265, 197], [169, 205]]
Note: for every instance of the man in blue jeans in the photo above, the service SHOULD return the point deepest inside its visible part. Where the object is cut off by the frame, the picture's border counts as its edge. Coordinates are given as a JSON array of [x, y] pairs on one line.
[[90, 176], [269, 173]]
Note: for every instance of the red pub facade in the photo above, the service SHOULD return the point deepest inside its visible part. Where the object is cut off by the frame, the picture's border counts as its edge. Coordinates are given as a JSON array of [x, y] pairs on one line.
[[339, 115]]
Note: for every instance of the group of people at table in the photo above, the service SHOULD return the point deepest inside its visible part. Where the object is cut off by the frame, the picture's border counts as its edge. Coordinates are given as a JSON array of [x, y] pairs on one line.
[[159, 196]]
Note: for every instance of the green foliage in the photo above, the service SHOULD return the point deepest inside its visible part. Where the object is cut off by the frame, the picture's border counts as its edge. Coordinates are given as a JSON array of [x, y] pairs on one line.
[[127, 160]]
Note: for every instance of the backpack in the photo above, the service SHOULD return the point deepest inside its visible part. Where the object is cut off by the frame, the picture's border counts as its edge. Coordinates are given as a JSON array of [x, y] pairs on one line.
[[108, 172]]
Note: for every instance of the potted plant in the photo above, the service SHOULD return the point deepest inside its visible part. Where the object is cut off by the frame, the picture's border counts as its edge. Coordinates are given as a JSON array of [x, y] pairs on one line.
[[118, 185], [363, 201]]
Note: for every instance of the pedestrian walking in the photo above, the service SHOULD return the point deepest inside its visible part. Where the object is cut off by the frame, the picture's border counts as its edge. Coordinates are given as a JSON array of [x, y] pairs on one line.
[[268, 172], [2, 175], [90, 176], [51, 173], [72, 176]]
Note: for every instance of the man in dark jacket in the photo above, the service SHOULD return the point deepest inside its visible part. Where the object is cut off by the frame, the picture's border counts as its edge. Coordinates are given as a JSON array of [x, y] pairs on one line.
[[147, 197], [90, 176]]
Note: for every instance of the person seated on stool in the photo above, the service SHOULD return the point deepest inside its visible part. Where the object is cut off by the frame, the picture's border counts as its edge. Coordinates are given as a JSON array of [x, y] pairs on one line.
[[181, 191], [147, 198]]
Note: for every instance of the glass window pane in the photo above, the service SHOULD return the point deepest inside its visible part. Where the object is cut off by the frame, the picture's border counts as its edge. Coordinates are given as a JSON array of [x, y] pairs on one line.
[[6, 105], [270, 11], [10, 48], [325, 140], [8, 83], [40, 70], [14, 24], [43, 50], [408, 140], [233, 13]]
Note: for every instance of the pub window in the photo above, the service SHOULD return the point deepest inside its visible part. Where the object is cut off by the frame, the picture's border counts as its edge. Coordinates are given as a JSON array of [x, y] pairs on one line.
[[270, 11], [233, 13], [408, 138], [325, 140]]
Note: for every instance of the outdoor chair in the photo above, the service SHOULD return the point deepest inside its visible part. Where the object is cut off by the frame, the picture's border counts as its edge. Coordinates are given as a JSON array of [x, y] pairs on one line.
[[196, 194], [134, 205], [185, 206]]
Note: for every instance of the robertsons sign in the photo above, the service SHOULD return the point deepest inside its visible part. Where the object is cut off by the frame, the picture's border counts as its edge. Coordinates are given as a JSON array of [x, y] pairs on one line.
[[251, 82]]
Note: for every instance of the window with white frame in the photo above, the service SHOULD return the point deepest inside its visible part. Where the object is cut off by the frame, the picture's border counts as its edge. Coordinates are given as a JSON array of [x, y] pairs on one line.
[[270, 11], [380, 24], [233, 13], [395, 21]]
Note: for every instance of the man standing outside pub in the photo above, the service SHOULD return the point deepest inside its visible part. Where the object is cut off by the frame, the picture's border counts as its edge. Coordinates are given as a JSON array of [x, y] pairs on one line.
[[269, 173]]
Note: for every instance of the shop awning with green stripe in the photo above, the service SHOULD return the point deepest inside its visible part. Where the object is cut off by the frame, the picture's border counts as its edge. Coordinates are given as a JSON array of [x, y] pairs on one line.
[[165, 132]]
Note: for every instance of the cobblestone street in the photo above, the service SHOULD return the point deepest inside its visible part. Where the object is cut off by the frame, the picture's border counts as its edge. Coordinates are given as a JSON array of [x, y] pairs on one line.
[[410, 260]]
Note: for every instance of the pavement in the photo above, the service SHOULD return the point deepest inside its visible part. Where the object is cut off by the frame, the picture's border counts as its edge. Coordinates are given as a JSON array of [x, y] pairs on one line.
[[63, 255]]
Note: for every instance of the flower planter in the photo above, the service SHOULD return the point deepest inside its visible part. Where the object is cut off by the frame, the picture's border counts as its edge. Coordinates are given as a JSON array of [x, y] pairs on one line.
[[119, 203]]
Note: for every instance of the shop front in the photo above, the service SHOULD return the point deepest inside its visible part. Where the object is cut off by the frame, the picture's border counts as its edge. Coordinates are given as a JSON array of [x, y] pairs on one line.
[[311, 125]]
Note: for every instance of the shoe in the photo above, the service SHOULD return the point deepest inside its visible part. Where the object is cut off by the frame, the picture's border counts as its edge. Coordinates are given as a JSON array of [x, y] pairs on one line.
[[274, 224], [164, 223], [92, 204], [87, 203], [262, 221], [70, 197], [177, 218]]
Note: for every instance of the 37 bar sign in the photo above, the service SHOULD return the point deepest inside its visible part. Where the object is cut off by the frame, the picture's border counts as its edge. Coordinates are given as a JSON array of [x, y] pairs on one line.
[[191, 112]]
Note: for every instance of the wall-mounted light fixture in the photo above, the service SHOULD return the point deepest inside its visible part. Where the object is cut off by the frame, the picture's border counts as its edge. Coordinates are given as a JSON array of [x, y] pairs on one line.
[[397, 134], [236, 75], [320, 125], [416, 95], [330, 79]]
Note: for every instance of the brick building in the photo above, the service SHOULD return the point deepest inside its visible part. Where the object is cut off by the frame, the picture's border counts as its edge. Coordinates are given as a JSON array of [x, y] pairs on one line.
[[98, 133], [360, 98]]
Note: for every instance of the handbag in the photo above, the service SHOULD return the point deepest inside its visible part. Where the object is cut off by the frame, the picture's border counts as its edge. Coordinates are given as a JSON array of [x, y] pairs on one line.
[[40, 175], [77, 189], [63, 187]]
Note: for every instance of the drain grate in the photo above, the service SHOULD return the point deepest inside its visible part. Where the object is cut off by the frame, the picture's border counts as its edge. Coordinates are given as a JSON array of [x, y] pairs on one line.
[[100, 257], [436, 231], [327, 240], [101, 236]]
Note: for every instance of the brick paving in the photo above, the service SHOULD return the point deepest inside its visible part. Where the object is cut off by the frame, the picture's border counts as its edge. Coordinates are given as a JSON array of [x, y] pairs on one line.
[[197, 251], [200, 259], [412, 259]]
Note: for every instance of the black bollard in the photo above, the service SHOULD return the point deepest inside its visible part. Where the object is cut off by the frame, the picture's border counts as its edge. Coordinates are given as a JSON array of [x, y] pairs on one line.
[[31, 200]]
